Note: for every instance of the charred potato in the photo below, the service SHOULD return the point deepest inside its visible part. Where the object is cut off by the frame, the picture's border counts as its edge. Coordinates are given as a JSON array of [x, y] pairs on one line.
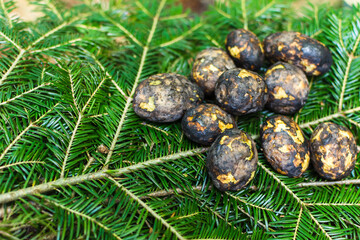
[[202, 124], [333, 151], [288, 88], [239, 91], [232, 160], [209, 65], [285, 146], [165, 97], [245, 48], [312, 56]]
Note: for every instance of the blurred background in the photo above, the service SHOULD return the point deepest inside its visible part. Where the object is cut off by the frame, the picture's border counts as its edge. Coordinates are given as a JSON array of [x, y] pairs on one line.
[[26, 11]]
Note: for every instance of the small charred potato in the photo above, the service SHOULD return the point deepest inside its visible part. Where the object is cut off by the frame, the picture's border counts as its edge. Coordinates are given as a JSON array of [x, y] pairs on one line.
[[232, 160], [288, 88], [209, 65], [239, 91], [245, 48], [165, 97], [312, 56], [284, 146], [202, 124], [333, 151]]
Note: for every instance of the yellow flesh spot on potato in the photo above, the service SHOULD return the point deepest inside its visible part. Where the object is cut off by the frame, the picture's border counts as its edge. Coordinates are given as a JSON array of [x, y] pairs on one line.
[[345, 134], [268, 72], [224, 126], [223, 139], [309, 67], [227, 178], [213, 117], [291, 98], [155, 83], [244, 73], [317, 136], [251, 177], [190, 118], [284, 149], [150, 106], [348, 160], [306, 162], [212, 68], [235, 51], [281, 126], [279, 93]]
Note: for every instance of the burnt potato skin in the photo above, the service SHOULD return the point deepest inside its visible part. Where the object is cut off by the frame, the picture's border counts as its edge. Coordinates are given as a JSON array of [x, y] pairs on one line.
[[285, 146], [165, 97], [208, 66], [240, 91], [312, 56], [232, 160], [288, 88], [203, 123], [245, 48], [333, 151]]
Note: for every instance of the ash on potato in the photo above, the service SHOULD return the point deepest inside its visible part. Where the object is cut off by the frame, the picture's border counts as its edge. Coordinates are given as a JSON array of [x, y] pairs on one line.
[[288, 88], [285, 146], [240, 91], [209, 65], [165, 97], [232, 160], [333, 151], [202, 124], [245, 48], [312, 56]]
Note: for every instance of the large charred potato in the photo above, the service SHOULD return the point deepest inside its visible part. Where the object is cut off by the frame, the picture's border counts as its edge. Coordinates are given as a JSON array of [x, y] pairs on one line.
[[165, 97], [288, 88], [202, 124], [239, 91], [232, 160], [312, 56], [285, 146], [245, 48], [209, 65], [333, 151]]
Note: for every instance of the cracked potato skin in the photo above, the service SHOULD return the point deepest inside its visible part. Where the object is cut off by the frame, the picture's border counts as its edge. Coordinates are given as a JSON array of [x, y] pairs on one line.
[[232, 160], [333, 151], [285, 146], [288, 88], [165, 97], [209, 65], [203, 123], [240, 91], [245, 48], [312, 56]]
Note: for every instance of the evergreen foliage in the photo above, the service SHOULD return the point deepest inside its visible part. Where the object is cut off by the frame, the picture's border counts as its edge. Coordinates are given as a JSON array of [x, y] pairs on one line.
[[66, 87]]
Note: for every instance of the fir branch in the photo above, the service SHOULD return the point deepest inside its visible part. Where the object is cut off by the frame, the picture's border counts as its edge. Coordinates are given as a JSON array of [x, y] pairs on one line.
[[148, 208], [24, 93], [264, 9], [319, 184], [13, 65], [10, 40], [182, 36], [41, 50], [19, 136], [8, 18], [244, 14], [298, 223], [351, 58], [79, 214], [102, 67], [20, 163], [52, 185], [81, 115], [136, 81]]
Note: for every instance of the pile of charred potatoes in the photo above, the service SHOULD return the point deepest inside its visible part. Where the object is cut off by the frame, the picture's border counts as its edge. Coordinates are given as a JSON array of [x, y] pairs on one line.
[[228, 81]]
